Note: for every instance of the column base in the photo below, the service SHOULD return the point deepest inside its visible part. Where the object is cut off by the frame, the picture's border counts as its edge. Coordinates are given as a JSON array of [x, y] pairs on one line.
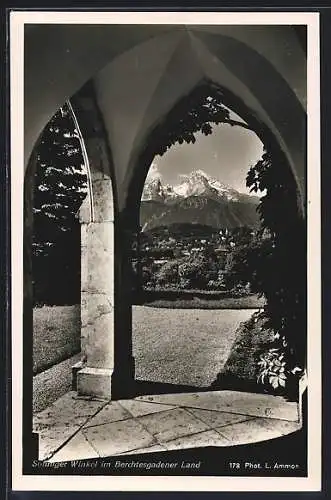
[[74, 371], [94, 382]]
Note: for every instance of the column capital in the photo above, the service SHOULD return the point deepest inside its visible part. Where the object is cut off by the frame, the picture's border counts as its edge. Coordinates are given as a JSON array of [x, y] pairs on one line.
[[98, 206], [84, 213]]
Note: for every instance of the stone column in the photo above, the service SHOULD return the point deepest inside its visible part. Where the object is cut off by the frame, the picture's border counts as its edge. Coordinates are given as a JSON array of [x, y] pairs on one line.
[[97, 292]]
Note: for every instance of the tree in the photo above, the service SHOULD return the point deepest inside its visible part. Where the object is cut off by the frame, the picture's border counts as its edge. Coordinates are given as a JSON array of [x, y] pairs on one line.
[[60, 187], [192, 272]]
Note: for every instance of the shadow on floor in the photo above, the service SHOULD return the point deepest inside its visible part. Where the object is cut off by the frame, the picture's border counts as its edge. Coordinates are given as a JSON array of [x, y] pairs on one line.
[[146, 387]]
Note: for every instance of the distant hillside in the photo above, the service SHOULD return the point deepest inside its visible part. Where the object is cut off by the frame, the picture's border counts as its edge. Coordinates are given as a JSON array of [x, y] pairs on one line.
[[185, 229]]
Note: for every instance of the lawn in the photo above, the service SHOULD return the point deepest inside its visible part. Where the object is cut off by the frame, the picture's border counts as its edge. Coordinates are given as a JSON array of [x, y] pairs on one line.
[[183, 346], [175, 346], [56, 335]]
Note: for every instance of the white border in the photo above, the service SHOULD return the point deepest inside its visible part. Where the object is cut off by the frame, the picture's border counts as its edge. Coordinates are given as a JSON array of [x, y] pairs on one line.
[[161, 483], [189, 18]]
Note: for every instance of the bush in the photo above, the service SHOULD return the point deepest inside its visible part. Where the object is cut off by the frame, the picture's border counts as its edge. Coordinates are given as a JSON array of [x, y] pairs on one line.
[[168, 274], [253, 339], [241, 290], [258, 361]]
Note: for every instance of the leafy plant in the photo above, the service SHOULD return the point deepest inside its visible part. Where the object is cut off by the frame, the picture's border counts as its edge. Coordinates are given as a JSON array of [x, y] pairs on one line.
[[272, 368]]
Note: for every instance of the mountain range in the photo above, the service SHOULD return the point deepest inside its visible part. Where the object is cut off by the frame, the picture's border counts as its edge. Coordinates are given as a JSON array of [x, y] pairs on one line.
[[197, 199]]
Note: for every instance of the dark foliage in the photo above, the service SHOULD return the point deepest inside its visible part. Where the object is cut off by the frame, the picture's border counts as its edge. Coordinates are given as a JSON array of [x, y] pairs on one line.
[[60, 187], [194, 113], [279, 260]]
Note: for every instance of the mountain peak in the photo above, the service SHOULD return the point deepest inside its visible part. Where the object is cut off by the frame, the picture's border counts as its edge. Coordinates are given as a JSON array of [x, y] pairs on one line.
[[199, 173], [198, 198], [197, 183]]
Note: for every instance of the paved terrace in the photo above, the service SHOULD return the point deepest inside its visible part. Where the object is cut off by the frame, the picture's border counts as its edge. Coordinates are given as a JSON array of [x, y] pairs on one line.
[[79, 428]]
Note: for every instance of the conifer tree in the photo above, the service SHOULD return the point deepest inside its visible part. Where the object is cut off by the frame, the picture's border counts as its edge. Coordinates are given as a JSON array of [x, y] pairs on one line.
[[60, 187]]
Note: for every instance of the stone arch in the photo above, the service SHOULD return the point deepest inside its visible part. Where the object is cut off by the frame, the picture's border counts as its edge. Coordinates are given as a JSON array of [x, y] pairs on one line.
[[153, 140], [131, 209], [230, 64]]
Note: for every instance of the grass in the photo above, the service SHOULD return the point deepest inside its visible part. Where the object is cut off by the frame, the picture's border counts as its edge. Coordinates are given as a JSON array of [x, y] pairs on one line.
[[183, 346], [56, 335]]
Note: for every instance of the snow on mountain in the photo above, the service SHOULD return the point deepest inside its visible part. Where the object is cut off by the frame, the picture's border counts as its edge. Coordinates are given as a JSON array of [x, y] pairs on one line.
[[197, 199], [197, 183]]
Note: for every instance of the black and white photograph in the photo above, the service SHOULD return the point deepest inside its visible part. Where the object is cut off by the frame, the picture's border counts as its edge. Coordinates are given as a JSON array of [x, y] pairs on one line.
[[165, 311]]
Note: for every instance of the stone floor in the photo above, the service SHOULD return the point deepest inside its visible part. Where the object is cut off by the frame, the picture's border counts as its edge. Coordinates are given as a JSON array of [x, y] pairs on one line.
[[79, 428]]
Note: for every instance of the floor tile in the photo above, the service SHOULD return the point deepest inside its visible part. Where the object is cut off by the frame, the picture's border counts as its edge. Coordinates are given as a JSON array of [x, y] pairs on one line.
[[171, 424], [51, 439], [77, 448], [118, 437], [207, 438], [66, 411], [259, 429], [218, 418], [258, 405], [148, 422], [139, 408], [61, 420], [111, 412]]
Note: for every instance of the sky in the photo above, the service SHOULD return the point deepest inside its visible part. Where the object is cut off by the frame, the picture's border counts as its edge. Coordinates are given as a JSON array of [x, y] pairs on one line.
[[226, 155]]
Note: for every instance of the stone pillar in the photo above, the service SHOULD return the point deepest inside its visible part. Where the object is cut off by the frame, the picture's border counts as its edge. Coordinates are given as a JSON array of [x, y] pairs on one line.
[[97, 292]]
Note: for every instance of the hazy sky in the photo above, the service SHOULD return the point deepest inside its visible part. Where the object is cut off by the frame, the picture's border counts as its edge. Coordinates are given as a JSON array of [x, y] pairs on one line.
[[226, 154]]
